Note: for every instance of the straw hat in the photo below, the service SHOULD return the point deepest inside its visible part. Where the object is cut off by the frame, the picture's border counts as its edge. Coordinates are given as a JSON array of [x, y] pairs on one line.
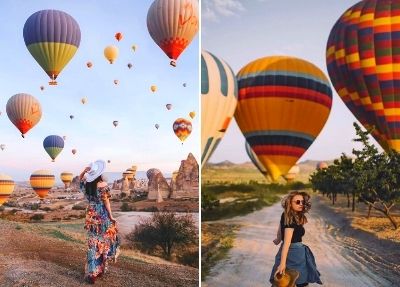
[[286, 280], [96, 169]]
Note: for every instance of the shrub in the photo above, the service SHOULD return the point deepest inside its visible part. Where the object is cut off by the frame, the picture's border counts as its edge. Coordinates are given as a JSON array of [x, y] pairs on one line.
[[2, 208], [46, 208], [78, 207], [61, 207], [37, 217], [123, 194], [35, 206], [125, 207]]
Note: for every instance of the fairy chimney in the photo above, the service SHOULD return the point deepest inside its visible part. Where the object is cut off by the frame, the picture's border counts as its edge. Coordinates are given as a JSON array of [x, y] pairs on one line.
[[186, 183], [125, 184], [157, 184]]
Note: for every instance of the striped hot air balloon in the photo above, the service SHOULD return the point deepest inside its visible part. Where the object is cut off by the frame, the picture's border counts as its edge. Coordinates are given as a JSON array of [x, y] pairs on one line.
[[255, 161], [182, 128], [66, 178], [173, 24], [364, 66], [126, 174], [42, 181], [53, 145], [132, 173], [24, 111], [52, 37], [218, 102], [283, 105], [292, 173], [6, 187]]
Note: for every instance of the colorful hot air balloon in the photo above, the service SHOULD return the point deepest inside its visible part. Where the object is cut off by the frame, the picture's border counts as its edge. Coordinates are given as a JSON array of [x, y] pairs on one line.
[[6, 188], [192, 114], [157, 126], [173, 24], [66, 178], [42, 181], [24, 111], [89, 64], [182, 128], [153, 88], [283, 105], [53, 145], [52, 37], [364, 67], [292, 173], [73, 151], [83, 100], [129, 65], [71, 117], [115, 123], [169, 106], [118, 36], [255, 161], [126, 174], [322, 165], [2, 146], [218, 102], [111, 53], [134, 47]]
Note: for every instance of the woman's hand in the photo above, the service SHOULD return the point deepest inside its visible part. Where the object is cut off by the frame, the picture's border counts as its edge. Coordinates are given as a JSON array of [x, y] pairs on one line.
[[276, 241], [281, 268], [113, 220]]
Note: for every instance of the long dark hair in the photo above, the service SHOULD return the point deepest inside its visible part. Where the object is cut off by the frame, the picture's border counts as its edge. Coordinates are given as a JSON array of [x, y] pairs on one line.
[[91, 187], [292, 216]]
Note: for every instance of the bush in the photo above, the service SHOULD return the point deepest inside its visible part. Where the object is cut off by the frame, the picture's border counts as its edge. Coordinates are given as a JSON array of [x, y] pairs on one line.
[[190, 258], [46, 208], [37, 217], [61, 207], [78, 207], [165, 230], [125, 207], [123, 194], [2, 208], [35, 206]]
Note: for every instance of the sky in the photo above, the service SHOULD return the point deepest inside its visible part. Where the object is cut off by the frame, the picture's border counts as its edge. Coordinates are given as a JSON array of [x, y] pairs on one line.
[[240, 31], [135, 141]]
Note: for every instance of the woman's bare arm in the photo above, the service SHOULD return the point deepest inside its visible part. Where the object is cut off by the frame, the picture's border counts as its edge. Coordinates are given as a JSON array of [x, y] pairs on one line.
[[285, 249], [278, 238]]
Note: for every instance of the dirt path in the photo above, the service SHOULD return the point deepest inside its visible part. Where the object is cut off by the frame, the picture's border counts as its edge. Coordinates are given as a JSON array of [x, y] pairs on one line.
[[29, 259], [342, 261]]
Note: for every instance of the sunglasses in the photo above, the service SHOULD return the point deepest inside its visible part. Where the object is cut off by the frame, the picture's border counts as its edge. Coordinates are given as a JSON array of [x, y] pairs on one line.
[[298, 202]]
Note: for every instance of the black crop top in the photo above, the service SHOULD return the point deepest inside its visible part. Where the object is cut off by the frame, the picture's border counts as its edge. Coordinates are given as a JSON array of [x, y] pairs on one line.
[[298, 232]]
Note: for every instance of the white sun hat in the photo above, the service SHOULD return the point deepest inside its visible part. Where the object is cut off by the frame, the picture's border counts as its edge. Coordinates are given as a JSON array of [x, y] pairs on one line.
[[96, 169]]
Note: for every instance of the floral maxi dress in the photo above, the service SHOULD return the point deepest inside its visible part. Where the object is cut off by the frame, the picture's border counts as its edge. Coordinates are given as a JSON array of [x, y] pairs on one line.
[[103, 241]]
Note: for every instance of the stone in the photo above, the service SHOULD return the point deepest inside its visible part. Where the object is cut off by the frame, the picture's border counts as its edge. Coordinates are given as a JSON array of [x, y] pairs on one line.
[[186, 182], [157, 184]]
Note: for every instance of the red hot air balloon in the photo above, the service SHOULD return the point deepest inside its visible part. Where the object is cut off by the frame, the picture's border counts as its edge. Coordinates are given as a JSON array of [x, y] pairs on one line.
[[118, 36]]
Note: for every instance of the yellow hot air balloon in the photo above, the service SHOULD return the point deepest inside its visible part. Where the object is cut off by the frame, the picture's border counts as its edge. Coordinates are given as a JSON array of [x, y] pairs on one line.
[[192, 115], [292, 173], [6, 187], [66, 178], [153, 88], [283, 105], [42, 181], [83, 100], [218, 102], [24, 111], [111, 53], [132, 173], [126, 174]]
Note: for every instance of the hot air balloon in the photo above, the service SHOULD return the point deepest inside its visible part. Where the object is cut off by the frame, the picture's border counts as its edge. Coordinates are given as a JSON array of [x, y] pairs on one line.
[[71, 117], [126, 174], [283, 105], [292, 173], [109, 161], [131, 174], [111, 53], [66, 178], [218, 102], [24, 111], [73, 151], [118, 36], [157, 126], [192, 114], [115, 123], [255, 161], [173, 24], [182, 128], [169, 106], [2, 146], [53, 145], [363, 65], [83, 100], [322, 165], [89, 64], [52, 37], [134, 47], [41, 88], [129, 65], [42, 181], [116, 82], [6, 188], [184, 85], [153, 88], [64, 138]]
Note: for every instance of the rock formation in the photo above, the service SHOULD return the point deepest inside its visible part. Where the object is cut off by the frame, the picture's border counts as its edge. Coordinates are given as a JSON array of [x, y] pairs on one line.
[[157, 184], [186, 183]]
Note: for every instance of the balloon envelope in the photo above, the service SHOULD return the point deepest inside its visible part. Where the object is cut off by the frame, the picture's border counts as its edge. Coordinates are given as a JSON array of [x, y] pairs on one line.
[[255, 161], [2, 146], [169, 106], [53, 145], [111, 53], [118, 36], [115, 123], [283, 105], [52, 37], [42, 181], [6, 187], [24, 111], [182, 128], [73, 151], [66, 178], [153, 88]]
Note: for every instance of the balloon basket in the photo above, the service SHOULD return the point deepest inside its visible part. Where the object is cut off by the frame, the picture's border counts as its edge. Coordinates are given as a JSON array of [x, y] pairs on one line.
[[53, 83], [172, 63]]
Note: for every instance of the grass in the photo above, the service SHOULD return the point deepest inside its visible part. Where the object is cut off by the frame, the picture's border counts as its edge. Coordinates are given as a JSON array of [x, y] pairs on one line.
[[60, 235]]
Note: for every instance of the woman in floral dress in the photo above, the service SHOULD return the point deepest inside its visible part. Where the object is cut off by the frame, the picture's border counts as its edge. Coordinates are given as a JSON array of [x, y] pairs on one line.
[[103, 241]]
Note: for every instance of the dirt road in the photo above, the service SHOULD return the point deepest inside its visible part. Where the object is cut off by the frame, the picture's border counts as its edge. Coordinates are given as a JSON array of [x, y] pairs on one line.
[[341, 259]]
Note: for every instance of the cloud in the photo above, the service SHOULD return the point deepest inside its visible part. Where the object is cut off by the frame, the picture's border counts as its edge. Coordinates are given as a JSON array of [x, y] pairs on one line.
[[214, 9]]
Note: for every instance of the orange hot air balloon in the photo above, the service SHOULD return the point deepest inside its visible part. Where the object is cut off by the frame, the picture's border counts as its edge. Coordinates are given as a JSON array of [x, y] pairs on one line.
[[73, 151], [89, 64], [118, 36], [111, 53], [42, 181], [283, 104], [24, 111], [153, 88], [66, 178], [182, 128], [173, 24], [292, 173], [6, 188], [192, 115]]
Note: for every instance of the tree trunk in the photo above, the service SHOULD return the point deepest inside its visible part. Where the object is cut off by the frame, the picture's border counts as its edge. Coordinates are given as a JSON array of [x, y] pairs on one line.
[[333, 199], [348, 200], [369, 211], [353, 208], [395, 225]]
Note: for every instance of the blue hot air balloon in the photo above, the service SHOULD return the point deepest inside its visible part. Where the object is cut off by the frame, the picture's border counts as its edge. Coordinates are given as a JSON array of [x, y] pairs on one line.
[[53, 145]]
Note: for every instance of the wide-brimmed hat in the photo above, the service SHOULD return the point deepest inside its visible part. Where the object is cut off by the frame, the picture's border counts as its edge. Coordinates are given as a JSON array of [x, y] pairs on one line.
[[96, 169], [286, 280]]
